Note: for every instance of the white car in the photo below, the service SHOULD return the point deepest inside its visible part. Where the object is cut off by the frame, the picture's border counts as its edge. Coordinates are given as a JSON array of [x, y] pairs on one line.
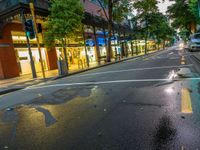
[[194, 42]]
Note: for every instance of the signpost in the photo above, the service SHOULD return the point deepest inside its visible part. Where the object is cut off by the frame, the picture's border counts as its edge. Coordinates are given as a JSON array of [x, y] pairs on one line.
[[37, 39], [29, 47]]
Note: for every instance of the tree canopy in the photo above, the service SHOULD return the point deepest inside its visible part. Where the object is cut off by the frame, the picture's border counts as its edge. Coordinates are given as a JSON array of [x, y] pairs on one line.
[[183, 13], [64, 20], [150, 23]]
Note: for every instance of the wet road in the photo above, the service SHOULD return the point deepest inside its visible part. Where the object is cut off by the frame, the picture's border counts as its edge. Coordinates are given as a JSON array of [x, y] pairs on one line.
[[138, 104]]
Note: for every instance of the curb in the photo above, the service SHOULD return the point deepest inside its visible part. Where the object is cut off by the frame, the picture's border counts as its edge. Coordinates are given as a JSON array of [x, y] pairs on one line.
[[107, 64], [81, 71]]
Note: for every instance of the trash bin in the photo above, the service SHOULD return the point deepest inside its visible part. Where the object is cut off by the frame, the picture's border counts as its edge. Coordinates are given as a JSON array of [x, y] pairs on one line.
[[62, 68]]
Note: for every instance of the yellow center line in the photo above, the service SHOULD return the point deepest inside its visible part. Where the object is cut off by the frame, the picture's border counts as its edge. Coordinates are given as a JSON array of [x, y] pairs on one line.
[[182, 58], [186, 105], [182, 62]]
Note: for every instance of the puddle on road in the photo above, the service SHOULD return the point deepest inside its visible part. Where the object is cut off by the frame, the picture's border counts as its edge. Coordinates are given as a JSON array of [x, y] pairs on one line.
[[49, 119], [46, 112], [164, 134], [64, 95]]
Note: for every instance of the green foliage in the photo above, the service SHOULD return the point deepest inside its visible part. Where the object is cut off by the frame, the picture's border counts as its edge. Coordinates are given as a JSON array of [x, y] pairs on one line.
[[182, 13], [64, 20], [184, 34], [144, 7], [193, 8], [150, 23], [120, 8]]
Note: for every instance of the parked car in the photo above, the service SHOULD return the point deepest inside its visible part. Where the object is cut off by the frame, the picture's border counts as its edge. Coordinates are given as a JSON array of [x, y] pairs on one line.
[[194, 42]]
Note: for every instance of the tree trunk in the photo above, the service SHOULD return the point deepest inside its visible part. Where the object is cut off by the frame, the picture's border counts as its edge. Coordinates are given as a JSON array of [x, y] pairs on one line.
[[136, 47], [163, 44], [86, 55], [145, 49], [120, 44], [131, 48], [97, 53], [125, 47], [115, 44], [110, 6], [65, 54]]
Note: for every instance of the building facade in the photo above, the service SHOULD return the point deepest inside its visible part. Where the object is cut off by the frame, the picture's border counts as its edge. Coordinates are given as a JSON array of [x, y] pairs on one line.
[[14, 53]]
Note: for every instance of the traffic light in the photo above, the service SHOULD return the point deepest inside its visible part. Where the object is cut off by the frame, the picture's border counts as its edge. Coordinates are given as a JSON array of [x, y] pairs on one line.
[[29, 28]]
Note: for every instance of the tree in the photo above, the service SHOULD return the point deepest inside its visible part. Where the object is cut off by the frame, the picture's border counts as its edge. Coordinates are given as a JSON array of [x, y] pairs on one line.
[[193, 8], [117, 9], [144, 9], [182, 12], [64, 21], [150, 23], [160, 28]]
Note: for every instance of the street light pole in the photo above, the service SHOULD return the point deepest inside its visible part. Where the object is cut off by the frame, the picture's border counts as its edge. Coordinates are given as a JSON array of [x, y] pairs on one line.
[[37, 39], [34, 75]]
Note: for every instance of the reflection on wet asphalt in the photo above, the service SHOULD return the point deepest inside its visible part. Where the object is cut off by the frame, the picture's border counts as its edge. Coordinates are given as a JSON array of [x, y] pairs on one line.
[[165, 134], [128, 116], [64, 95], [49, 119]]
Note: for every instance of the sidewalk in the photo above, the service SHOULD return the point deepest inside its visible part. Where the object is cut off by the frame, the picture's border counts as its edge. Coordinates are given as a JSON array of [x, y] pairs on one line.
[[13, 84]]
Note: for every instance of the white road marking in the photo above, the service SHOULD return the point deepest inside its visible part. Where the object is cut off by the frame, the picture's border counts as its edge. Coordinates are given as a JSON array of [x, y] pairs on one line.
[[107, 82], [95, 83], [136, 69]]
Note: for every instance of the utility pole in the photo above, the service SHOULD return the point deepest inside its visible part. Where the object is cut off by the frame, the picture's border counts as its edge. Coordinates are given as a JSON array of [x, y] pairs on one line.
[[31, 5], [34, 75]]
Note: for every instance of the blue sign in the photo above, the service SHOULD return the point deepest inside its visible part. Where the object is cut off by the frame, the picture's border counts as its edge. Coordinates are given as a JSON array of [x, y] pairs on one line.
[[90, 42], [101, 41]]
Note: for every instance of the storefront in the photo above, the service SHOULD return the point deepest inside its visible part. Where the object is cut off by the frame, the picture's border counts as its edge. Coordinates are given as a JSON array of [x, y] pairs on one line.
[[22, 54], [90, 47], [116, 49], [102, 46], [151, 45], [75, 55], [23, 60]]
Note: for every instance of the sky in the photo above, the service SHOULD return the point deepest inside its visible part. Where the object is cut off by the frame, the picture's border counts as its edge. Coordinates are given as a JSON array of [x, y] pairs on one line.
[[163, 6]]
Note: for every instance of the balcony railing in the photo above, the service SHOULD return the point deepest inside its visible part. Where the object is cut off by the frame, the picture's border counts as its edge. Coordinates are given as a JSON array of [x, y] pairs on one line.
[[6, 4]]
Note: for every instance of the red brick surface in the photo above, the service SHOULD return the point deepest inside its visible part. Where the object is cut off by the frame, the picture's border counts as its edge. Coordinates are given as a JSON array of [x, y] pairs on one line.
[[9, 67], [52, 59]]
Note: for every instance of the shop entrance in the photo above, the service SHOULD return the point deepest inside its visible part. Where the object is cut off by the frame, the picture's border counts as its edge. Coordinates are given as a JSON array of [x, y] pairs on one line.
[[23, 60]]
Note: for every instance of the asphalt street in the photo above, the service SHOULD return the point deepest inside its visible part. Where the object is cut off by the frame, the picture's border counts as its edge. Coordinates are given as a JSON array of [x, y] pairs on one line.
[[139, 104]]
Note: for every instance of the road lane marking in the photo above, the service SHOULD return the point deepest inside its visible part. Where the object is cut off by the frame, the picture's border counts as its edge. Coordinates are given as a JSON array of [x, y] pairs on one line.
[[106, 82], [95, 83], [186, 105], [182, 58], [182, 62], [135, 69]]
